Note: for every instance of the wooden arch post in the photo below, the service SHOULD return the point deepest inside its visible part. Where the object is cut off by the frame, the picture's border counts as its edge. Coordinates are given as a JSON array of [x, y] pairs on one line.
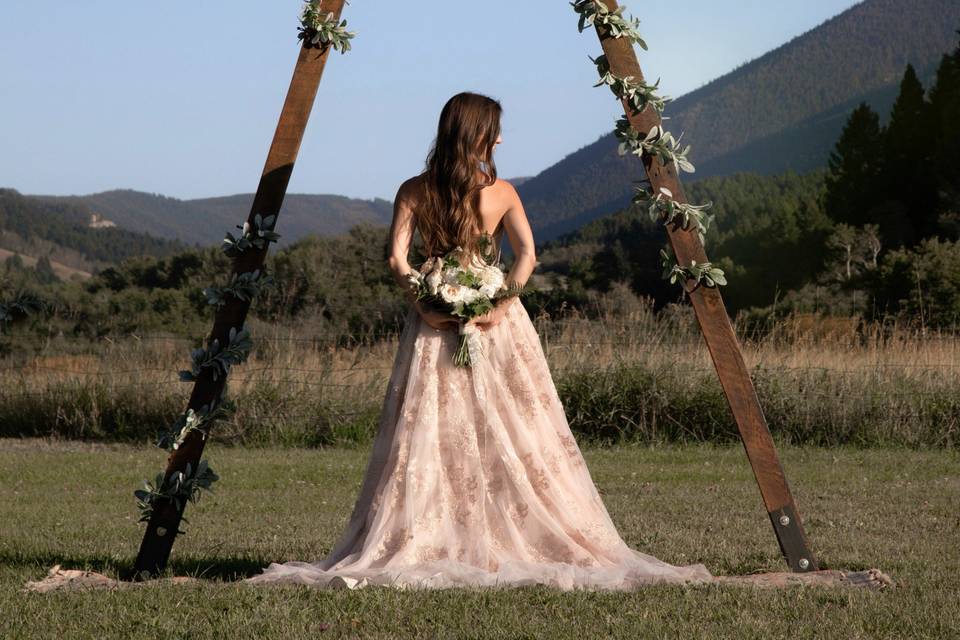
[[717, 329], [165, 520]]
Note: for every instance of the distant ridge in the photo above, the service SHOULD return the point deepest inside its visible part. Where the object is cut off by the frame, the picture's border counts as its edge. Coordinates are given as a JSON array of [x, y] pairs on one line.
[[782, 110], [205, 220]]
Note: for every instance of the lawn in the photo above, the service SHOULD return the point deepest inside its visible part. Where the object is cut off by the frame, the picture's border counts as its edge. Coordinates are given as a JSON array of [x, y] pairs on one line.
[[72, 503]]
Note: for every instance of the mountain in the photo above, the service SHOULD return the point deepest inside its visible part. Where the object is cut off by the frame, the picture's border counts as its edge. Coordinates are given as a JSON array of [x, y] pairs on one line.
[[783, 110], [205, 220], [69, 235], [516, 182]]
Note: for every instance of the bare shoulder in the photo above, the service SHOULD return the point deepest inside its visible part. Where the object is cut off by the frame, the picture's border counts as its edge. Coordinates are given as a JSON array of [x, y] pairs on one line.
[[505, 190], [410, 189]]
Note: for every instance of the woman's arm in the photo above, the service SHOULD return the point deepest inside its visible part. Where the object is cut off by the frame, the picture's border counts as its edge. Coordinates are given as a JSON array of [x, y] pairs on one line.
[[520, 235], [401, 237], [401, 234]]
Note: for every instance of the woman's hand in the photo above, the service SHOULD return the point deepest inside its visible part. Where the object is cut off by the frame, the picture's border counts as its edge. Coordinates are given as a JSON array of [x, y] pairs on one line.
[[493, 317], [437, 319]]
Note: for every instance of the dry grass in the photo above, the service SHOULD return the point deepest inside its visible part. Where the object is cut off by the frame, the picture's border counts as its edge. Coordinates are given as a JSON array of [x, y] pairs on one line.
[[826, 381]]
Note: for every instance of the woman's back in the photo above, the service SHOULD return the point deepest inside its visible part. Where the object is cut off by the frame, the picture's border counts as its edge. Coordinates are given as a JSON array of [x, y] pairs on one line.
[[494, 201]]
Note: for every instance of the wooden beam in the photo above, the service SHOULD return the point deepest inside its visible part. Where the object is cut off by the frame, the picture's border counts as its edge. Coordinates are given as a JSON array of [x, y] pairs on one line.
[[718, 331], [164, 523]]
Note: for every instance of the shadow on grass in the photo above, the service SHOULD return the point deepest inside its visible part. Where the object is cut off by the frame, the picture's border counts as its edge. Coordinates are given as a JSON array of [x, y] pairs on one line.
[[236, 568], [227, 569]]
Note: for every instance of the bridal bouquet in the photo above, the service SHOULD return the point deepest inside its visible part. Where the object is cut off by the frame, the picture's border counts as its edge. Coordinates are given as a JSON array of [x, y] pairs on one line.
[[463, 286]]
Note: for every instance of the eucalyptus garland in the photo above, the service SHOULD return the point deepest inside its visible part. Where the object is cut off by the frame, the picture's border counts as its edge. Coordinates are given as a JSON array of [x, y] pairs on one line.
[[258, 235], [663, 208], [593, 12], [637, 94], [186, 485], [242, 286], [703, 273], [656, 142], [218, 359], [319, 28], [179, 487], [191, 420]]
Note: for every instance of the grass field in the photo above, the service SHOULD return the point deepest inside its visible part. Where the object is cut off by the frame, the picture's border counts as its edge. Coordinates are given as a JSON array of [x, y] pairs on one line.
[[72, 503]]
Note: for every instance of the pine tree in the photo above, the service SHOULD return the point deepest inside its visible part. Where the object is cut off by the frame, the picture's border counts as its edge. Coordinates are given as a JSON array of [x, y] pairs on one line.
[[45, 272], [907, 179], [945, 117], [852, 185]]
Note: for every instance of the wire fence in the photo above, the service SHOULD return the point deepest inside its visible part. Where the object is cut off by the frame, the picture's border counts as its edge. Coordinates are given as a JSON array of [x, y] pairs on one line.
[[241, 372], [32, 365], [681, 330]]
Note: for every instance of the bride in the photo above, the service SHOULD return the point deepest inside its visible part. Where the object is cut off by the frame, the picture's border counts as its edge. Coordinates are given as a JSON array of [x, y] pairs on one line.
[[475, 478]]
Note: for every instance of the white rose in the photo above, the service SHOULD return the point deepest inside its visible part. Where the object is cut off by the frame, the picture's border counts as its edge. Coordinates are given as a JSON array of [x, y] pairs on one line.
[[488, 290], [470, 295], [450, 276], [452, 293], [492, 276]]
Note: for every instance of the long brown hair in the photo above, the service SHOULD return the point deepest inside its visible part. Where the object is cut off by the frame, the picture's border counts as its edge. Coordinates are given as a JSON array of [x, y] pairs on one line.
[[448, 215]]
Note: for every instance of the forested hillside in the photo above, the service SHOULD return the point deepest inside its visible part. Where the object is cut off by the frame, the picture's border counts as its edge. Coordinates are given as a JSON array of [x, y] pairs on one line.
[[783, 110], [875, 233], [61, 230]]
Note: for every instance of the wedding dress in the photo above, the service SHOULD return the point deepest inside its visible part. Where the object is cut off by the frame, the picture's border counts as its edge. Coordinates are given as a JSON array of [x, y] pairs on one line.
[[475, 479]]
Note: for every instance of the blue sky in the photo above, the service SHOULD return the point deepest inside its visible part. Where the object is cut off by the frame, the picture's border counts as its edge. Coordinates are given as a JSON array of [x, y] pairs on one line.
[[182, 98]]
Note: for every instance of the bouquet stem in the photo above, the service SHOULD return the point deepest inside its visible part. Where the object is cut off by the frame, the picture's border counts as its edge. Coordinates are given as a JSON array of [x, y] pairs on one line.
[[461, 358]]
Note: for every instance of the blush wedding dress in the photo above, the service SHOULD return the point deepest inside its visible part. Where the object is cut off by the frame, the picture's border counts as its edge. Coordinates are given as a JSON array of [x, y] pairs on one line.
[[475, 479]]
